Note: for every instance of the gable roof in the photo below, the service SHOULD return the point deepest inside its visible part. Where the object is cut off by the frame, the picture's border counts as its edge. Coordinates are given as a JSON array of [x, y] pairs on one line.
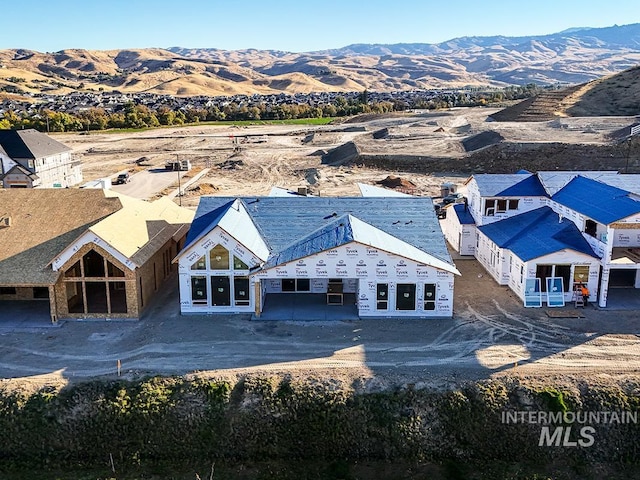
[[29, 143], [17, 168], [348, 229], [140, 228], [536, 233], [234, 219], [46, 222], [528, 187], [43, 223], [552, 181], [601, 202], [509, 185], [625, 181], [283, 220]]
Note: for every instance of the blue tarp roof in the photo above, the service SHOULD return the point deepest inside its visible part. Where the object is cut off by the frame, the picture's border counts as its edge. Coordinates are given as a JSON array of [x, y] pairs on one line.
[[207, 220], [536, 233], [601, 202], [463, 214], [509, 185], [529, 187], [282, 221]]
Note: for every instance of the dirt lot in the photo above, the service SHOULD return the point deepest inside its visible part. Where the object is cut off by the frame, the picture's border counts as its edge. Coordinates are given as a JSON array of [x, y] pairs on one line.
[[251, 160], [490, 335]]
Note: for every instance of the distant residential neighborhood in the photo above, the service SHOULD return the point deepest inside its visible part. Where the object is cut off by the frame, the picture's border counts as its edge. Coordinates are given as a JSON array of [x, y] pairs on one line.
[[80, 111]]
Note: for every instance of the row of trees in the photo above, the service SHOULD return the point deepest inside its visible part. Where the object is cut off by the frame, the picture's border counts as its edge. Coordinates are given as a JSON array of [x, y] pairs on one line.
[[140, 116]]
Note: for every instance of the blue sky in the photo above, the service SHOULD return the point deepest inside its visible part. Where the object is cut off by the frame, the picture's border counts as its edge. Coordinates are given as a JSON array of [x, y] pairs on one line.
[[292, 25]]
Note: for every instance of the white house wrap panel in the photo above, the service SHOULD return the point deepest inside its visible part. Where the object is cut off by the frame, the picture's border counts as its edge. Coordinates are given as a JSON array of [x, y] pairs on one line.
[[193, 275], [362, 268]]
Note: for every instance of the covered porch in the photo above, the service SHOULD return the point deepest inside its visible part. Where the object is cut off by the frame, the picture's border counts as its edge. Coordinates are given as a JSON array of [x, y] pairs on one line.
[[623, 281], [622, 299], [307, 307]]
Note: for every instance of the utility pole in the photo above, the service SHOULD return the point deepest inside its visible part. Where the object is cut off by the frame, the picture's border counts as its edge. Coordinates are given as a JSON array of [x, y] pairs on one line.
[[178, 170]]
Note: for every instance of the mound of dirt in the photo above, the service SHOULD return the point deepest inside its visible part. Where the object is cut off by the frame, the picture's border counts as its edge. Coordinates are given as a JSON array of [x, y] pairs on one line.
[[382, 133], [204, 189], [397, 182], [541, 108], [318, 153], [230, 164], [349, 152], [481, 140]]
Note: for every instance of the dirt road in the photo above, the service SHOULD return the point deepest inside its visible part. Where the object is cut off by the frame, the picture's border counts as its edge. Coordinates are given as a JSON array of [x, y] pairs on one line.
[[147, 183], [488, 337]]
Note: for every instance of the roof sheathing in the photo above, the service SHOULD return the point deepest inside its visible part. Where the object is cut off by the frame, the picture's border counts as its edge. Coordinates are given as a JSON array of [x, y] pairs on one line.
[[283, 220], [348, 229], [29, 144], [43, 223]]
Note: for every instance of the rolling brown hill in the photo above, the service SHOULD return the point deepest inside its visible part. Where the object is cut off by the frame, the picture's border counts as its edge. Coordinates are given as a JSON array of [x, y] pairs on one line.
[[570, 57], [145, 70], [613, 95]]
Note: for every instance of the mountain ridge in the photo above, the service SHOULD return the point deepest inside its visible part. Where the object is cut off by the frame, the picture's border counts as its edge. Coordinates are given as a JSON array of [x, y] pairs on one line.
[[570, 57]]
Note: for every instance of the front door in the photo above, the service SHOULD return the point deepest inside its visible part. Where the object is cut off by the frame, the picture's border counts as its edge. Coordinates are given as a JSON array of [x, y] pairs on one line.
[[220, 291], [406, 296]]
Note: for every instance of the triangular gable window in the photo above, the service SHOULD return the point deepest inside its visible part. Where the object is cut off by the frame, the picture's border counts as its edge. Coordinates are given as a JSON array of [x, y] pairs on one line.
[[199, 264], [239, 264], [113, 271]]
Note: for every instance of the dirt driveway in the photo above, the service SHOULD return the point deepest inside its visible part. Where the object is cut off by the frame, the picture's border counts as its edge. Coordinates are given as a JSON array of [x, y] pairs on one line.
[[489, 336]]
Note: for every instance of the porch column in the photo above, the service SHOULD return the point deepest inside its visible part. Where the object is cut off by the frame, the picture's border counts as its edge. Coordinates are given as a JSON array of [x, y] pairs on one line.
[[603, 287], [53, 304], [257, 297]]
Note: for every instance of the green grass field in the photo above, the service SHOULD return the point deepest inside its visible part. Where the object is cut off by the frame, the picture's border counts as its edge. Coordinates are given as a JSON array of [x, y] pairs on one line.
[[240, 123]]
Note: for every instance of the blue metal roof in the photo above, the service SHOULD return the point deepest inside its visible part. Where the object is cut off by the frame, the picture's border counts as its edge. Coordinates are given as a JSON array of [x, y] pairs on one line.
[[536, 233], [463, 214], [284, 220], [601, 202], [509, 185]]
